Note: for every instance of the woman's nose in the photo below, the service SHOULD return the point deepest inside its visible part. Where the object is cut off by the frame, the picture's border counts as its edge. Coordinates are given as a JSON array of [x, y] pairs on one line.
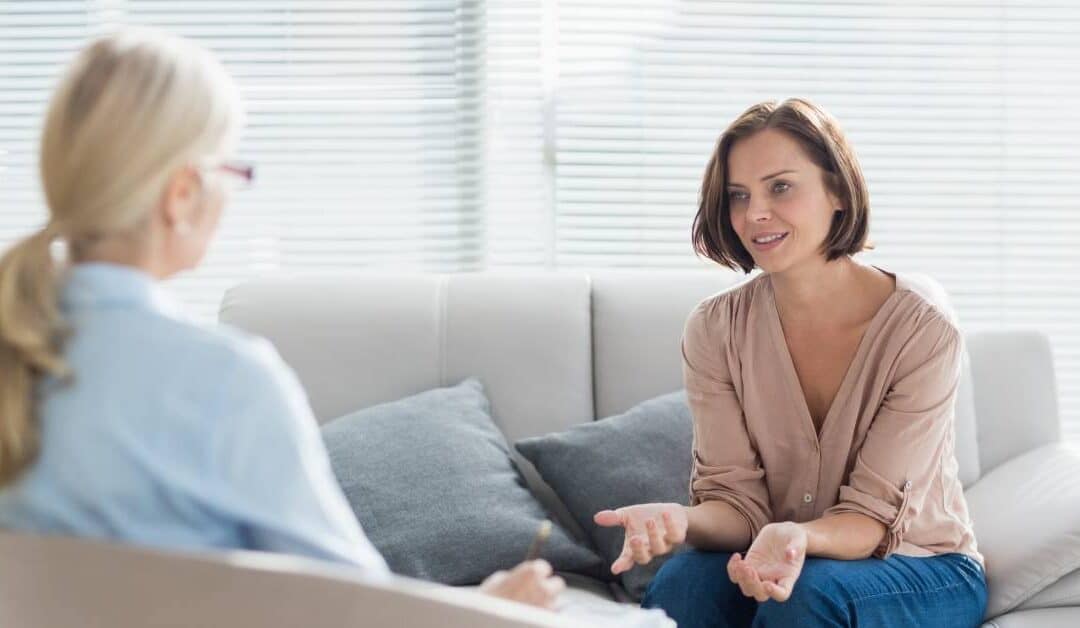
[[758, 210]]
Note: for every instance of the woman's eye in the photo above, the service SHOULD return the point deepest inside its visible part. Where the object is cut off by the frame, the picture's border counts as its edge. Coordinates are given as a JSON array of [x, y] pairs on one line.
[[738, 195], [779, 187]]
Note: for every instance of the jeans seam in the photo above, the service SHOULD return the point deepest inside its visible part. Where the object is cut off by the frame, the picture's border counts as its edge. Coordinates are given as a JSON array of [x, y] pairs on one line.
[[872, 596]]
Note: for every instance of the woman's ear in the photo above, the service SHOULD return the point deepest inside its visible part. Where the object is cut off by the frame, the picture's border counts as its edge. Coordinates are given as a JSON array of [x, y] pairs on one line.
[[180, 200]]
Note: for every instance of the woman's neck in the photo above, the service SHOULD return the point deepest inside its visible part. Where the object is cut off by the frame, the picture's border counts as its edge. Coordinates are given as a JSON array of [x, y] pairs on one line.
[[817, 286]]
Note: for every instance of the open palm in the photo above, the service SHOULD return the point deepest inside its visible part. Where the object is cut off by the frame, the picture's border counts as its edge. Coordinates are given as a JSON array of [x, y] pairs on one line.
[[772, 564]]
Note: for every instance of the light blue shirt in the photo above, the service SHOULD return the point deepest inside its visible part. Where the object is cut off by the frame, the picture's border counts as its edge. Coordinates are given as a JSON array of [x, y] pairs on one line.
[[177, 436]]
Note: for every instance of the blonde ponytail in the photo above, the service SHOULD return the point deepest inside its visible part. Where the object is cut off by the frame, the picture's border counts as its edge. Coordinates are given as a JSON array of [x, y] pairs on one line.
[[31, 332], [132, 107]]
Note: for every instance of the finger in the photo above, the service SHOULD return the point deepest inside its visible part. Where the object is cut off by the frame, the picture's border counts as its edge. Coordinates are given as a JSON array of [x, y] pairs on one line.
[[787, 584], [739, 577], [623, 563], [750, 582], [756, 586], [554, 585], [775, 592], [625, 560], [548, 590], [607, 518], [742, 582], [495, 578], [671, 531], [657, 544], [639, 545], [731, 567], [541, 567]]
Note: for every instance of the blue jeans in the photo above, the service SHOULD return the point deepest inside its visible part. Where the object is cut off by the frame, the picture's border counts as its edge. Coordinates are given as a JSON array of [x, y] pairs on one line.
[[949, 591]]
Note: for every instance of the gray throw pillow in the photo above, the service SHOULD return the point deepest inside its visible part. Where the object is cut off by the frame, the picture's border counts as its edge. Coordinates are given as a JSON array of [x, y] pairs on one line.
[[638, 457], [431, 482]]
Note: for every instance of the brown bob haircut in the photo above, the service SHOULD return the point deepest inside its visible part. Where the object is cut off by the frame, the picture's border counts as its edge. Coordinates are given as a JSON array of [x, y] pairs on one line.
[[820, 136]]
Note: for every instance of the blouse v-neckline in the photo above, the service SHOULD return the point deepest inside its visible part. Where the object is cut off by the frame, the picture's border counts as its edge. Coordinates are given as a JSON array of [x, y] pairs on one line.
[[791, 375]]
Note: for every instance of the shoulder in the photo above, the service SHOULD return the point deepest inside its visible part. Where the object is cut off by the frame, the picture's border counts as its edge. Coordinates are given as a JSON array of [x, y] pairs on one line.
[[212, 366], [930, 325], [218, 351], [725, 310], [925, 292]]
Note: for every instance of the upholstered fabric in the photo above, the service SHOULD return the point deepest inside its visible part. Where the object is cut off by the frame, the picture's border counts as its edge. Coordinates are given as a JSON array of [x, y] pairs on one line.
[[640, 456], [1027, 520], [359, 340], [431, 482], [544, 343]]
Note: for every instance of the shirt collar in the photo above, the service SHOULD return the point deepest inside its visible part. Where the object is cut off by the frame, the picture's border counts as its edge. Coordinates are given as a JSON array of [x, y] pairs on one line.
[[96, 284]]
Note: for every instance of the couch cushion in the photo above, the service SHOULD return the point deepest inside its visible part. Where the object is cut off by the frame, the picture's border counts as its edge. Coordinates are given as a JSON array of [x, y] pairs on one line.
[[1044, 618], [967, 445], [358, 340], [638, 319], [637, 457], [1064, 592], [1027, 521], [431, 482], [1015, 396]]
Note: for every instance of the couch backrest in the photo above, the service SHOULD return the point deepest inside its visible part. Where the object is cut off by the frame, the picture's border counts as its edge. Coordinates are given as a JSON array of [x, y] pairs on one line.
[[558, 349], [52, 581], [360, 340]]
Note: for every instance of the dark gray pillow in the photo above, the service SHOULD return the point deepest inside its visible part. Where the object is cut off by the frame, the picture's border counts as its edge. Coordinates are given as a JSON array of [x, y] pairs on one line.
[[639, 457], [431, 482]]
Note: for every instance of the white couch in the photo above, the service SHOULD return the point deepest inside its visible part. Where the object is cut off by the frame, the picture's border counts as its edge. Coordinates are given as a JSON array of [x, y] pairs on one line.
[[559, 349]]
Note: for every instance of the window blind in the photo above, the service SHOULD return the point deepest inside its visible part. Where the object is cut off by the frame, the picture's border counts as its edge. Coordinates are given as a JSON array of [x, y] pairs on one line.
[[363, 120], [458, 135], [964, 115]]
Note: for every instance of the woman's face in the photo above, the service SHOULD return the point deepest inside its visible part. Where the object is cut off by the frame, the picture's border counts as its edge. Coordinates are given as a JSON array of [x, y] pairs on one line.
[[779, 205]]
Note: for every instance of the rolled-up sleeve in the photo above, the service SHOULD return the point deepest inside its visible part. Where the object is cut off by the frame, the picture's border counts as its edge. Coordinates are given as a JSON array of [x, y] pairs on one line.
[[726, 465], [900, 456]]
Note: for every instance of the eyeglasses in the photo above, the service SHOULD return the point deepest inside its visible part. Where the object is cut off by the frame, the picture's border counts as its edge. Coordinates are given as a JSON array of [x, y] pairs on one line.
[[241, 173]]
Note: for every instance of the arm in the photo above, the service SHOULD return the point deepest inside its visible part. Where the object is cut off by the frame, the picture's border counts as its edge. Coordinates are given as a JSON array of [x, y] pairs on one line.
[[729, 500], [846, 536], [272, 471], [901, 455], [728, 497], [716, 527]]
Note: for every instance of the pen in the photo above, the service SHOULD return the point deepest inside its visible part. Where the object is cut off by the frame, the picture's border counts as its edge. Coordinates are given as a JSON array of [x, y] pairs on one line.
[[542, 534]]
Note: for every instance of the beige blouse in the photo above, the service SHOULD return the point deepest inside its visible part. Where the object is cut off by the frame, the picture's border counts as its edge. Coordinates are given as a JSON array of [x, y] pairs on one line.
[[886, 445]]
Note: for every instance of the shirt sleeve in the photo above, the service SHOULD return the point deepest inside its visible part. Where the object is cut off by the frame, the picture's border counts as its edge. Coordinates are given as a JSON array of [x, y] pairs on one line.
[[899, 457], [726, 465], [270, 457]]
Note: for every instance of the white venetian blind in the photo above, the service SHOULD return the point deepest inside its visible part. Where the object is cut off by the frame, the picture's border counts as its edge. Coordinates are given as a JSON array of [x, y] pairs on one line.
[[363, 120], [966, 117], [456, 135]]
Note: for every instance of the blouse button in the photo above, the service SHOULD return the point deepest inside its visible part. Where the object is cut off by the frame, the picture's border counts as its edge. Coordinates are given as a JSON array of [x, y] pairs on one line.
[[808, 498], [907, 485]]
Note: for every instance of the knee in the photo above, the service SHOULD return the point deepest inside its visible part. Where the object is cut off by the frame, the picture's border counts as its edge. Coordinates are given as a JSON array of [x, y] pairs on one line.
[[818, 599]]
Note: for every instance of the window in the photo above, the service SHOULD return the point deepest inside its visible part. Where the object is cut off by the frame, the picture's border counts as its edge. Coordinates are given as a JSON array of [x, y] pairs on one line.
[[459, 135]]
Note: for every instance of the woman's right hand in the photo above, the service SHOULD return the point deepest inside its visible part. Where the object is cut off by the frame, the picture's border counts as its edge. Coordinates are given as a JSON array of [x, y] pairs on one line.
[[531, 582], [651, 530]]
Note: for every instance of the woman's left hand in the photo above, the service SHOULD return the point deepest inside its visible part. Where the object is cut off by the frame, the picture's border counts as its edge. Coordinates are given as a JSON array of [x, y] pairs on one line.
[[772, 564]]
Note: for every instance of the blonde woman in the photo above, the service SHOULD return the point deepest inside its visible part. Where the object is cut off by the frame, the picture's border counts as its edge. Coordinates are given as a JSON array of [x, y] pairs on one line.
[[823, 394], [119, 419]]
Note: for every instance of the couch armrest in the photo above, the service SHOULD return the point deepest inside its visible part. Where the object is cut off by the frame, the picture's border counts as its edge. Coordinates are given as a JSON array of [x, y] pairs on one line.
[[1026, 514]]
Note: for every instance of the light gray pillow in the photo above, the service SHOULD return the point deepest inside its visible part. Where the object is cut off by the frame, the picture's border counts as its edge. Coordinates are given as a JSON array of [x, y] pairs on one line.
[[638, 457], [431, 482]]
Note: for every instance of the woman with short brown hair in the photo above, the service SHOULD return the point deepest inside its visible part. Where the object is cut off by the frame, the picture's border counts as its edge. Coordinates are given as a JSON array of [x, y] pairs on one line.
[[823, 395]]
